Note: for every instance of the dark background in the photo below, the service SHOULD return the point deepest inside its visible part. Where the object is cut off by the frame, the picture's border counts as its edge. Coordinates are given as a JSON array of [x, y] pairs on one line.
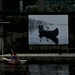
[[17, 33], [19, 25]]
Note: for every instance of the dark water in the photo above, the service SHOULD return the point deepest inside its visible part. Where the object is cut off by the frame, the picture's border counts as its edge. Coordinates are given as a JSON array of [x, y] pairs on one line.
[[13, 69], [49, 69], [37, 69]]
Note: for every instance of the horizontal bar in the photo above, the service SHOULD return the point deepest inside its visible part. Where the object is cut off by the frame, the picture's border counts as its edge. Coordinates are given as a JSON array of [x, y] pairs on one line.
[[4, 22], [43, 55]]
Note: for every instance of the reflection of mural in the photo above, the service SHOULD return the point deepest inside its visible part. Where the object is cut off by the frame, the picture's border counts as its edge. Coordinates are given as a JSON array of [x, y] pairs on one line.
[[48, 69]]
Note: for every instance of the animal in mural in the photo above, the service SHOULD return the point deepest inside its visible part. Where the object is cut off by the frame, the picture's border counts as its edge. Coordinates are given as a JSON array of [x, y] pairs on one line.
[[48, 34]]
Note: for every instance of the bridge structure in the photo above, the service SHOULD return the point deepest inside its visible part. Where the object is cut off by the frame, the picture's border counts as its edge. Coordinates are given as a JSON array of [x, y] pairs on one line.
[[50, 58]]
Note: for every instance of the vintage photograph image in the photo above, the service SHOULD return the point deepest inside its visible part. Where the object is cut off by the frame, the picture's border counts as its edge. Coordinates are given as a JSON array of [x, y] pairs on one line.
[[48, 29], [37, 37]]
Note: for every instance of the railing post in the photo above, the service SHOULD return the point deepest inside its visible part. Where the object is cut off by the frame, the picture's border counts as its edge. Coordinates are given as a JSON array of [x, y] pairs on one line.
[[2, 38], [1, 5], [21, 5], [2, 45]]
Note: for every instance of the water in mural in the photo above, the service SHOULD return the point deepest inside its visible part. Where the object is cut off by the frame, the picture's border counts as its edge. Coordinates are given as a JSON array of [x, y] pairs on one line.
[[62, 36]]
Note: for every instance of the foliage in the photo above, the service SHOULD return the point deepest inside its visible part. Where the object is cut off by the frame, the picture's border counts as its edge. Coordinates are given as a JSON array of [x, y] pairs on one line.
[[32, 8], [52, 8]]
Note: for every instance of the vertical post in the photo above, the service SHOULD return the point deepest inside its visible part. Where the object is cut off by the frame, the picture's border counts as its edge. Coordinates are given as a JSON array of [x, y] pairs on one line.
[[2, 46], [2, 38], [21, 5], [2, 42], [0, 5], [74, 7], [41, 5]]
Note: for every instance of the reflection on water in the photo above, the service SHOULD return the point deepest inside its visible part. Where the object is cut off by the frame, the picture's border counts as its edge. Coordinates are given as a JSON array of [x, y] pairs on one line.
[[48, 69], [37, 69], [13, 69]]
